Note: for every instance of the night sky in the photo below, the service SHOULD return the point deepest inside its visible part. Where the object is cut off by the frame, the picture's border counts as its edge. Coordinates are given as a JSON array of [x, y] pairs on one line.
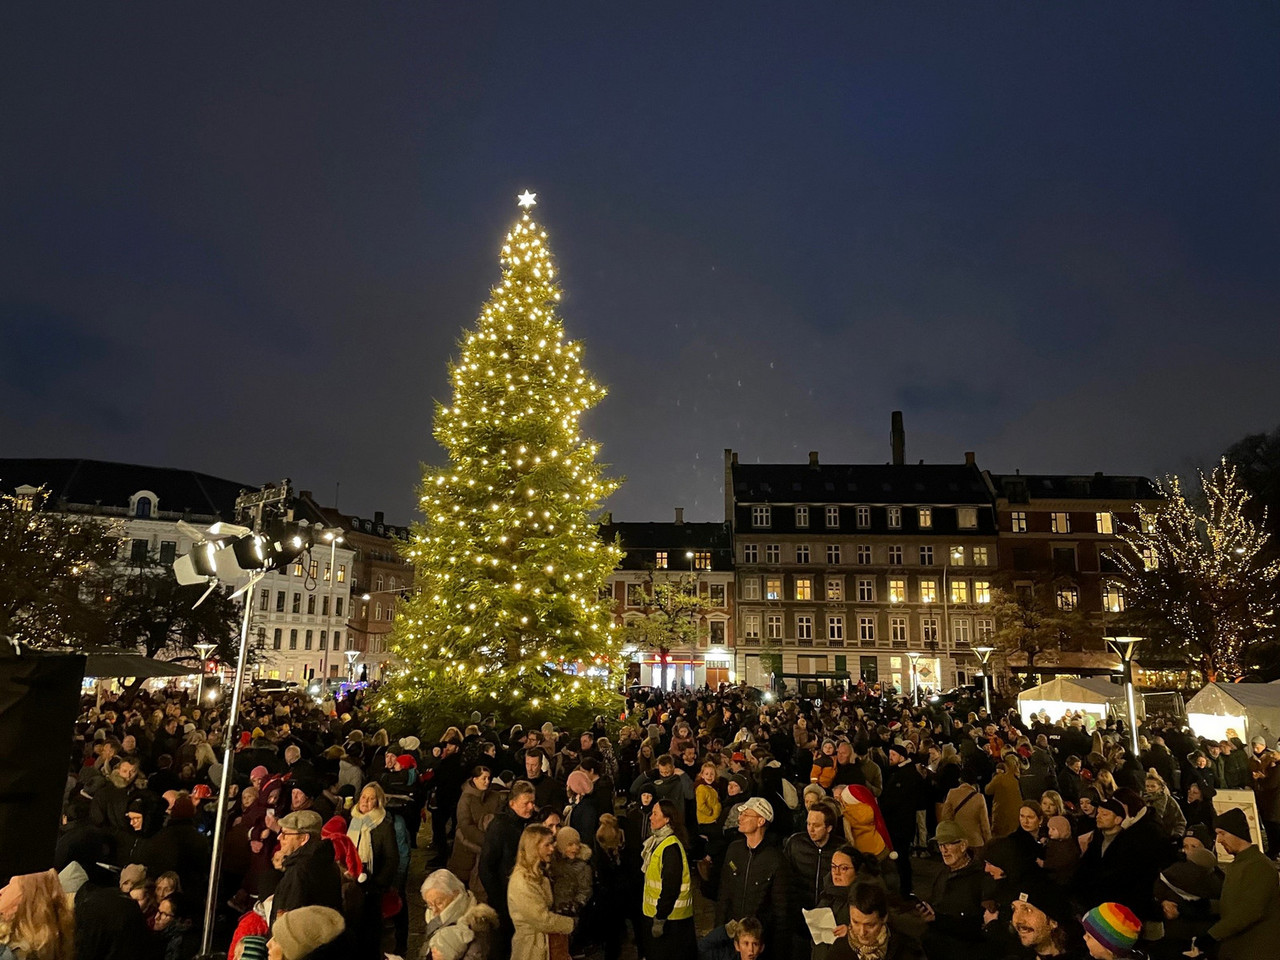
[[244, 241]]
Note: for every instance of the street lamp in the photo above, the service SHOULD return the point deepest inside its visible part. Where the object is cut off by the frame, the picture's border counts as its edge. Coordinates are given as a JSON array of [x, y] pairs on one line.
[[1124, 648], [913, 656], [984, 657], [204, 649], [334, 537], [352, 655]]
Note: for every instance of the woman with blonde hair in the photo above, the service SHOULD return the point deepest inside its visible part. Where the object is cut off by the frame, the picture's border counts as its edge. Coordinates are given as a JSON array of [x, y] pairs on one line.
[[35, 919], [529, 898]]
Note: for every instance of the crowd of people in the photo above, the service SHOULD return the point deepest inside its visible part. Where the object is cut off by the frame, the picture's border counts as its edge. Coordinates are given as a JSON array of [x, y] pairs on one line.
[[702, 825]]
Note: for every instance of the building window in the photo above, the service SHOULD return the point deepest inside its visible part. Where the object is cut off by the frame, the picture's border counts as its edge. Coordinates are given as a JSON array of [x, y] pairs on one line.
[[138, 552], [702, 560], [982, 591], [716, 594], [867, 629], [804, 588], [750, 553], [328, 571], [866, 590], [833, 553], [1018, 521], [311, 604], [660, 560], [342, 573], [967, 518], [717, 633], [750, 588], [773, 624], [833, 518], [802, 517], [324, 605], [898, 629], [1068, 598], [280, 602], [1060, 522], [929, 630], [804, 627], [168, 552], [635, 596], [1105, 523], [802, 553], [377, 610], [751, 626], [337, 607], [277, 637], [296, 607], [308, 640], [772, 553], [835, 629], [835, 590], [863, 516], [960, 635], [928, 590], [895, 518], [925, 515], [863, 554], [264, 600], [1150, 560], [293, 639], [773, 588], [897, 590], [956, 554], [926, 556], [1064, 559], [760, 517], [959, 591], [895, 555], [985, 628], [981, 557], [142, 509], [297, 568], [1112, 598], [313, 569], [324, 638]]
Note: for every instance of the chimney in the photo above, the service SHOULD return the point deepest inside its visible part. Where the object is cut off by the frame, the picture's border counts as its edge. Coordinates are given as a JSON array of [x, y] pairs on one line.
[[377, 516], [969, 459], [813, 459], [679, 516], [898, 439]]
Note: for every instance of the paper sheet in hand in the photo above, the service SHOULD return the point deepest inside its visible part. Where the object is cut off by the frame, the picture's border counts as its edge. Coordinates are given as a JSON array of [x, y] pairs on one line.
[[822, 924]]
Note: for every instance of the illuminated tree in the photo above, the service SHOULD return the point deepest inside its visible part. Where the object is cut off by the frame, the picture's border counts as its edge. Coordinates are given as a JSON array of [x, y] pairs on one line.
[[54, 571], [507, 612], [1198, 580]]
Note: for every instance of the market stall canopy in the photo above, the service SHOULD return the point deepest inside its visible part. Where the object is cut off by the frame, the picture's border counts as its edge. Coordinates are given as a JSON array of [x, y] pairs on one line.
[[1087, 695], [1223, 710], [136, 665]]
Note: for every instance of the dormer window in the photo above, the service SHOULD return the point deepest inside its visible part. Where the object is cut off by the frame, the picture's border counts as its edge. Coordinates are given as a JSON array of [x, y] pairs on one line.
[[143, 505]]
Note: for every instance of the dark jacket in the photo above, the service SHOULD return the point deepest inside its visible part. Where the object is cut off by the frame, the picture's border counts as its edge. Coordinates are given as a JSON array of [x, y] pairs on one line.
[[109, 925], [753, 884], [548, 791], [808, 867], [311, 879], [180, 847], [956, 899], [1249, 911], [498, 856], [904, 794]]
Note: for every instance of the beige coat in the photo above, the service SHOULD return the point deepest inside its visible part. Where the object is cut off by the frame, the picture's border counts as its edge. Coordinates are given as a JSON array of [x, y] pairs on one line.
[[1006, 799], [971, 818], [529, 904]]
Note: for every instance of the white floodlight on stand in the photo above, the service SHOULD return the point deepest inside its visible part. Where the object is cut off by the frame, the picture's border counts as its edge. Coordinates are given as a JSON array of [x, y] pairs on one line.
[[984, 657]]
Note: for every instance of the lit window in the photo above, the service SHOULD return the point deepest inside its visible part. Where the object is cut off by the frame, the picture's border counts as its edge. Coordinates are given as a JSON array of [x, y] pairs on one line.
[[804, 627], [773, 588], [864, 554], [833, 518], [835, 628], [802, 517], [1018, 521], [635, 595], [342, 573], [702, 560], [1060, 522], [1150, 561], [1105, 522], [928, 590], [980, 557], [660, 560], [982, 591], [833, 553], [895, 555], [835, 590], [716, 594], [1068, 598], [802, 553], [925, 515], [313, 568], [897, 590], [863, 515], [1113, 598], [898, 629], [957, 556], [960, 632], [772, 553], [297, 568], [773, 623], [867, 629], [959, 591], [866, 591], [377, 610], [895, 518], [750, 588], [751, 626], [967, 517], [750, 553], [926, 556], [804, 588], [760, 517]]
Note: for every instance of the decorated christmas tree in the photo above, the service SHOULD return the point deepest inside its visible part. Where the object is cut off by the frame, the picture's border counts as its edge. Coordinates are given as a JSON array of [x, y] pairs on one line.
[[508, 614]]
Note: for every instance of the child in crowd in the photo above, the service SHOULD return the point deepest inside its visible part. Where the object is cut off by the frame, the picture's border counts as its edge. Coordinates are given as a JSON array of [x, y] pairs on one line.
[[571, 875], [1061, 852]]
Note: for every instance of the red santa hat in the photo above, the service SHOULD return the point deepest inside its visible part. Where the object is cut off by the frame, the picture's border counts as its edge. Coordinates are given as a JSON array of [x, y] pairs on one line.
[[852, 793], [344, 849], [251, 924]]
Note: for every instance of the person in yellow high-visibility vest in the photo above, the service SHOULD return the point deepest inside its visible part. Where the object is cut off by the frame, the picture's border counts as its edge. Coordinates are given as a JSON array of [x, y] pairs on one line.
[[667, 931]]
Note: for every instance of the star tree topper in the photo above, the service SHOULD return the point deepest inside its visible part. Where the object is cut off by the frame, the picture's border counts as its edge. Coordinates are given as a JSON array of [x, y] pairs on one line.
[[527, 199]]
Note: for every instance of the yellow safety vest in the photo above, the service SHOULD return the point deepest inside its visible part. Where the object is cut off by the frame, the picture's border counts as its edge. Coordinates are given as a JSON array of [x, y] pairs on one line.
[[683, 910]]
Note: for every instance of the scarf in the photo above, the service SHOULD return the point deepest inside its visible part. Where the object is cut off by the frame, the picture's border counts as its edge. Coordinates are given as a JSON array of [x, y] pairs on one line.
[[877, 951], [361, 834], [655, 838]]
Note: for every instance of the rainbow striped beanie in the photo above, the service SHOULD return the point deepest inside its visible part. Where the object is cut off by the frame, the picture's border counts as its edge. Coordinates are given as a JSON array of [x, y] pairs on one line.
[[1113, 925]]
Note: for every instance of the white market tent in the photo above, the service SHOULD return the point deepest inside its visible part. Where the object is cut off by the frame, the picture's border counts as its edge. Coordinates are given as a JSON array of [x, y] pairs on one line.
[[1091, 696], [1235, 709]]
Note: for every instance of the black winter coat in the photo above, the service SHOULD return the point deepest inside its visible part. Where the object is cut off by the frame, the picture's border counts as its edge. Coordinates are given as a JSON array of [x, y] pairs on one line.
[[311, 879], [109, 926], [904, 794], [498, 856], [180, 847], [753, 884]]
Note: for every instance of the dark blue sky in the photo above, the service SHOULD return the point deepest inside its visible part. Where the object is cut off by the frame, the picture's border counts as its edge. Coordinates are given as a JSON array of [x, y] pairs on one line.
[[245, 241]]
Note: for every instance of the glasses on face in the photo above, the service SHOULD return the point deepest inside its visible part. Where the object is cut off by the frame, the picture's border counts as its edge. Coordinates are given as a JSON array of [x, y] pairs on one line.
[[842, 868]]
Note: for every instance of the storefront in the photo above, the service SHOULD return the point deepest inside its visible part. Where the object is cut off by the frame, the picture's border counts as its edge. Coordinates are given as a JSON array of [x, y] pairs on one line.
[[685, 670]]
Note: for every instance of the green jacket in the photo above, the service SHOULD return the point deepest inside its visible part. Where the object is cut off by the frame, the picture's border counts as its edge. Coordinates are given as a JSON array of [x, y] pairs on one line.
[[1249, 927]]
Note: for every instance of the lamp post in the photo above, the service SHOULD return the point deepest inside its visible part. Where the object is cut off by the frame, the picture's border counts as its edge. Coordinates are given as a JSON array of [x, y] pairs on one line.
[[204, 649], [334, 537], [1124, 648], [913, 656], [984, 657], [351, 665]]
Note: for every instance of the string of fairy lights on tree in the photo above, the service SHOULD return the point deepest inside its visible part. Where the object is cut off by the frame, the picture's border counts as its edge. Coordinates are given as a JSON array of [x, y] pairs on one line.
[[507, 606]]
